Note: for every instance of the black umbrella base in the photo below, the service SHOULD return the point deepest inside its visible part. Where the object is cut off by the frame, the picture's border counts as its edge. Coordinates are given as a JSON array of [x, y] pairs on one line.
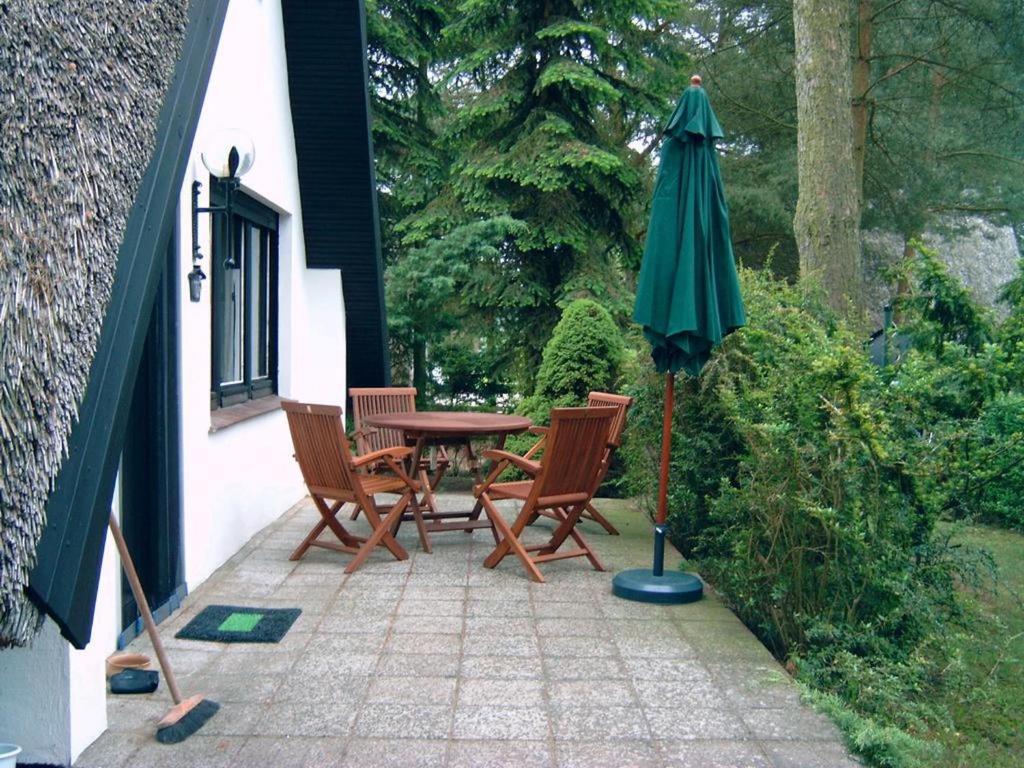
[[672, 588]]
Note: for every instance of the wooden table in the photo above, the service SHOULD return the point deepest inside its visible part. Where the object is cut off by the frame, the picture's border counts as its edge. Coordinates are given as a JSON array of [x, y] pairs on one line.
[[423, 429]]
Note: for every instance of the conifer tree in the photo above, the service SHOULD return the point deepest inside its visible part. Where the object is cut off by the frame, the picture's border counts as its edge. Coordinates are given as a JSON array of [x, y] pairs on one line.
[[545, 99]]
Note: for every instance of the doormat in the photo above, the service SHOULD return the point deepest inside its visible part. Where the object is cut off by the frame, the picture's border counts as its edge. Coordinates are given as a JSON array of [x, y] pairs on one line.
[[232, 624]]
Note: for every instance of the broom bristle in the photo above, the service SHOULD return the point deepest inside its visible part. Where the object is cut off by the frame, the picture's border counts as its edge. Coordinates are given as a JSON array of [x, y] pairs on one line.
[[190, 722]]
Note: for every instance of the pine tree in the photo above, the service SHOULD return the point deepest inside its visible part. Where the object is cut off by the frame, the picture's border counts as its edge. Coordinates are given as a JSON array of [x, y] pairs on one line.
[[545, 98]]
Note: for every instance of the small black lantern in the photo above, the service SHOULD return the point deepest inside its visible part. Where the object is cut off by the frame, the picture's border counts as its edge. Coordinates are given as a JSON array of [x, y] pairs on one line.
[[228, 156], [195, 283]]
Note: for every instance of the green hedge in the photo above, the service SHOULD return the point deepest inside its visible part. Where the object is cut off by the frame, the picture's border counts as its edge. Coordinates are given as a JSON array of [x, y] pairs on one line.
[[799, 487]]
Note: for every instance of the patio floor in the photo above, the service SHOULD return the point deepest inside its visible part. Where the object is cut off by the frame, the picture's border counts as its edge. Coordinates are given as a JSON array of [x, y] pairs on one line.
[[437, 661]]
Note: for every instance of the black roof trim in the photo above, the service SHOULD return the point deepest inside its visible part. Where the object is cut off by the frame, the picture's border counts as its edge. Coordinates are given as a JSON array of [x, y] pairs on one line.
[[325, 41]]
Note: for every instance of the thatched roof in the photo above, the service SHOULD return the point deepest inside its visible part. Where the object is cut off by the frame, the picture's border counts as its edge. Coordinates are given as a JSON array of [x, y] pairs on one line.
[[81, 84]]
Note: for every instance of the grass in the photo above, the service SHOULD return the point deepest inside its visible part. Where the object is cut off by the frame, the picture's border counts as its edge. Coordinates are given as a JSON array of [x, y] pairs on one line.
[[988, 717]]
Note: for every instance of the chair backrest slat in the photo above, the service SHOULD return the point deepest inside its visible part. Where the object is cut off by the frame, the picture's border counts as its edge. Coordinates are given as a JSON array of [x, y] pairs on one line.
[[576, 445], [372, 401], [621, 403], [320, 445]]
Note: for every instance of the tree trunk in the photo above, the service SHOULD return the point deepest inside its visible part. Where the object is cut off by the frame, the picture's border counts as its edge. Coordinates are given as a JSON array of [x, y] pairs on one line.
[[827, 221], [419, 371], [861, 85]]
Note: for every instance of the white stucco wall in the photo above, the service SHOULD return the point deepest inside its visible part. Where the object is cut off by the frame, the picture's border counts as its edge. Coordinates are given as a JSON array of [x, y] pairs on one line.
[[34, 709], [87, 682], [239, 479]]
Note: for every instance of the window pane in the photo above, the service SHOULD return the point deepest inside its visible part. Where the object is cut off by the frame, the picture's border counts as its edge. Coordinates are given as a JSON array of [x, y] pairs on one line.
[[258, 293], [231, 304]]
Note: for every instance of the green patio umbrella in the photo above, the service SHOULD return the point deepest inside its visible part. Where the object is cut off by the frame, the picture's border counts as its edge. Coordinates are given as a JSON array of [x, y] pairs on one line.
[[688, 298]]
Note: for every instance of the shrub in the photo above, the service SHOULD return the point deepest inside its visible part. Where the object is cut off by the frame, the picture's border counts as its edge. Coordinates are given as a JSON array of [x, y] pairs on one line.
[[585, 352], [795, 486]]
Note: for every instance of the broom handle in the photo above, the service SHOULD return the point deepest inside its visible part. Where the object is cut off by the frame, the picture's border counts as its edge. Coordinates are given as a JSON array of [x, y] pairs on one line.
[[140, 601]]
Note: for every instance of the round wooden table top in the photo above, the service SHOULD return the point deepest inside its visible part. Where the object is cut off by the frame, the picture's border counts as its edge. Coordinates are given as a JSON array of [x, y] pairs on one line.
[[444, 423]]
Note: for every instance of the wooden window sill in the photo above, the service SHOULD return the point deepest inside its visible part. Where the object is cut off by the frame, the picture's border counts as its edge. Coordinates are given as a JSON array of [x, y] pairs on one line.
[[222, 418]]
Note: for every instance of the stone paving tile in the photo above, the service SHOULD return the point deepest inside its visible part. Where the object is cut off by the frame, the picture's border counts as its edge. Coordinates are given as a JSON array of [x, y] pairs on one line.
[[581, 610], [695, 723], [655, 647], [136, 713], [755, 685], [306, 717], [591, 693], [404, 721], [572, 627], [235, 660], [501, 693], [499, 754], [326, 753], [414, 592], [714, 754], [414, 642], [421, 607], [351, 623], [644, 668], [327, 688], [254, 688], [501, 645], [790, 724], [812, 754], [584, 668], [350, 659], [512, 609], [610, 754], [414, 664], [112, 750], [197, 751], [675, 694], [577, 646], [652, 629], [439, 661], [428, 624], [265, 752], [505, 667], [411, 690], [520, 724], [598, 723], [394, 753], [498, 625]]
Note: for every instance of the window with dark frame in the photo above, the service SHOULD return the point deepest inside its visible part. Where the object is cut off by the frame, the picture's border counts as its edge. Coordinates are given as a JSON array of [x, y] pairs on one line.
[[244, 291]]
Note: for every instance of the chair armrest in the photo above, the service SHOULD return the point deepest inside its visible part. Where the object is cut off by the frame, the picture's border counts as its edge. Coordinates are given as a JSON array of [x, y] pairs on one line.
[[529, 467], [383, 453]]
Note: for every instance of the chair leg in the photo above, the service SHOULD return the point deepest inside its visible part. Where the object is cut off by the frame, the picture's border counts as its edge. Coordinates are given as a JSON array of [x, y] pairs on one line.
[[328, 519], [421, 527], [597, 517], [388, 537], [567, 528], [307, 542], [509, 541], [381, 534]]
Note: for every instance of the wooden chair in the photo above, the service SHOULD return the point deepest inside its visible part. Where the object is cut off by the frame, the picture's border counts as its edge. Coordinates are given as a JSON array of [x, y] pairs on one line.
[[595, 399], [370, 401], [575, 449], [332, 475]]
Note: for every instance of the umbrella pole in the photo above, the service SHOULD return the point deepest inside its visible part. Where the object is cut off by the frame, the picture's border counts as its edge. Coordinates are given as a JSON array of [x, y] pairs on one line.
[[654, 585], [666, 459]]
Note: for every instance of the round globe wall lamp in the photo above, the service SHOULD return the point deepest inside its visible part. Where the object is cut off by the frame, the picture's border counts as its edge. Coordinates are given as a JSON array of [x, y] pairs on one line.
[[228, 156]]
